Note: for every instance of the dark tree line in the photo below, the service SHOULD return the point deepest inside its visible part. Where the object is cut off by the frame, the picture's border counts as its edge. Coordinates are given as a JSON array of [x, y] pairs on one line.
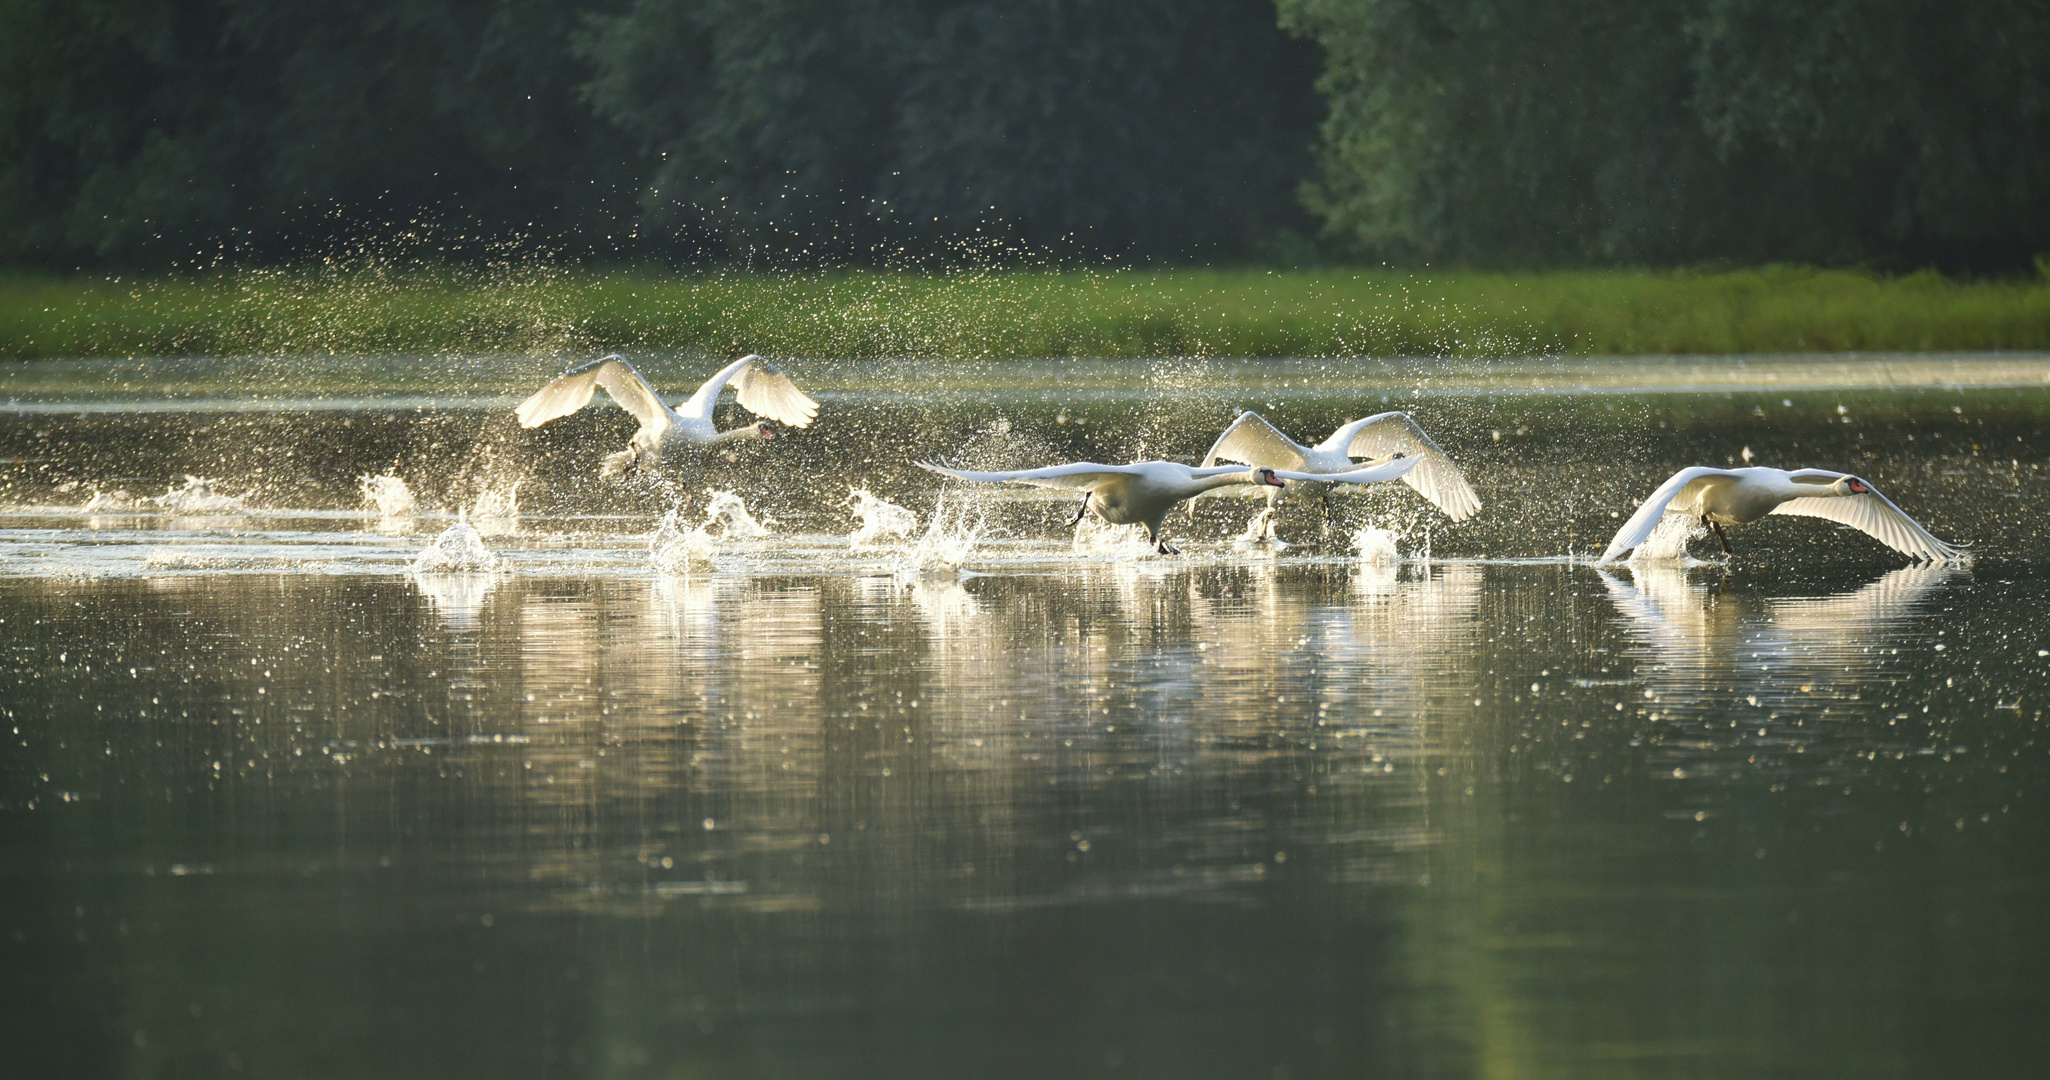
[[139, 131], [145, 130], [1531, 132], [1155, 125], [1472, 132]]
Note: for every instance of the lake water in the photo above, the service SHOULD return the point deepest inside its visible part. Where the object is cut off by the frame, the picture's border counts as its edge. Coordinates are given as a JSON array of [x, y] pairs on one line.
[[995, 799]]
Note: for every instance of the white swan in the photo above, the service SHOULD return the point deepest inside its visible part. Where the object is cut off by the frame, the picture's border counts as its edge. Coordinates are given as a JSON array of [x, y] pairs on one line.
[[1252, 440], [762, 390], [1722, 497], [1144, 492]]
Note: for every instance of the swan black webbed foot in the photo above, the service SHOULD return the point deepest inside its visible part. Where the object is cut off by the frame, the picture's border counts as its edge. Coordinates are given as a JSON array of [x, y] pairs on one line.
[[1724, 540], [1080, 510], [1165, 548]]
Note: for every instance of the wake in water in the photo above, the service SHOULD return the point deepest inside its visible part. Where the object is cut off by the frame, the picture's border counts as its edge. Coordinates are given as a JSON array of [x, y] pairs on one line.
[[881, 520], [459, 549], [196, 499], [199, 499]]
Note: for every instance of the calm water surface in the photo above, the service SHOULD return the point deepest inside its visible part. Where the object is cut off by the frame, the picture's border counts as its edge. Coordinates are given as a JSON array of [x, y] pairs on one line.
[[273, 805]]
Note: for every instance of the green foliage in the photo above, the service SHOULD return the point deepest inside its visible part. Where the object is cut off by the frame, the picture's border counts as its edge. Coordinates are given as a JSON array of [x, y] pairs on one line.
[[1535, 132], [373, 309], [945, 133], [793, 128], [144, 131], [140, 132]]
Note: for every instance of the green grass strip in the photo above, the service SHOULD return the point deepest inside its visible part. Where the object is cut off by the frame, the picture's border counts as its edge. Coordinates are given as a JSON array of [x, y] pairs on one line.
[[370, 308]]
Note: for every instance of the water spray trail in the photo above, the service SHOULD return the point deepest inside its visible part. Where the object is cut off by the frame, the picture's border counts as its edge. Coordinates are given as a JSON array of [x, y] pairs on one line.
[[676, 550], [392, 499], [739, 524], [458, 549], [497, 510], [198, 499], [1096, 537], [948, 542], [1375, 545], [1259, 535], [881, 520], [1668, 542]]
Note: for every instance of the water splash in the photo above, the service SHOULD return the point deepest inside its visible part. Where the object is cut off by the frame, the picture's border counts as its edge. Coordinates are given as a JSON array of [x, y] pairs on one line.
[[497, 510], [948, 542], [738, 523], [1259, 535], [1094, 536], [392, 500], [674, 549], [459, 549], [108, 502], [1667, 544], [197, 499], [1375, 545], [881, 520]]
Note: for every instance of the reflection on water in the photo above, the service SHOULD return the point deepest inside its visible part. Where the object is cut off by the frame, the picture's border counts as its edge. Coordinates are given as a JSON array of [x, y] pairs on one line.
[[1140, 818], [1696, 635], [980, 796]]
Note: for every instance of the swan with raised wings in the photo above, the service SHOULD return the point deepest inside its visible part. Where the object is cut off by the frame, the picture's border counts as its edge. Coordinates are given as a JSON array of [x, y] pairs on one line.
[[1143, 493], [1252, 440], [762, 389], [1720, 497]]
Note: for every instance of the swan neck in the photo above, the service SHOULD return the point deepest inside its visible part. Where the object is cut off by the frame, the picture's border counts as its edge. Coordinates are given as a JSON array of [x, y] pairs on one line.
[[1227, 480]]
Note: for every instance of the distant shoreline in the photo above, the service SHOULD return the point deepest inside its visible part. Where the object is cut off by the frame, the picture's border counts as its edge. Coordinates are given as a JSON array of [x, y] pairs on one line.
[[857, 315]]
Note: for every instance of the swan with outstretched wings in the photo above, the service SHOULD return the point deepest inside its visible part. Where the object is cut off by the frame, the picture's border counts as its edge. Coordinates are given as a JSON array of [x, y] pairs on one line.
[[761, 388], [1252, 440], [1720, 497], [1144, 492]]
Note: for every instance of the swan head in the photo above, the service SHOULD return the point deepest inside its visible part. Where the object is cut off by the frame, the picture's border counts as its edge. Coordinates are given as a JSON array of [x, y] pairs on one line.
[[1265, 476], [1851, 485], [764, 432]]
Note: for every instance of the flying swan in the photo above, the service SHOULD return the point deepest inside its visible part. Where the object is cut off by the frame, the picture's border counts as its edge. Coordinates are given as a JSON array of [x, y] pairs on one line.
[[1144, 492], [1722, 497], [1252, 440], [762, 390]]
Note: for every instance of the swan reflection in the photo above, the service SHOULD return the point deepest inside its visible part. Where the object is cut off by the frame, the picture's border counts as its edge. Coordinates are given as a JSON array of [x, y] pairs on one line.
[[1701, 638]]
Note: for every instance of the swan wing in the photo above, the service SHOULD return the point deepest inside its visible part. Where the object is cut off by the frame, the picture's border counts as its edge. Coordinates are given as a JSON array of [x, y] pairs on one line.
[[1253, 441], [572, 390], [1395, 469], [1638, 529], [1077, 476], [1876, 516], [765, 391], [1435, 477]]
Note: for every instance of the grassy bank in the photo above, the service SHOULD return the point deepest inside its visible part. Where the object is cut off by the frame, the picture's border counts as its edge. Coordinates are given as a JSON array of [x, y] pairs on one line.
[[1195, 313]]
